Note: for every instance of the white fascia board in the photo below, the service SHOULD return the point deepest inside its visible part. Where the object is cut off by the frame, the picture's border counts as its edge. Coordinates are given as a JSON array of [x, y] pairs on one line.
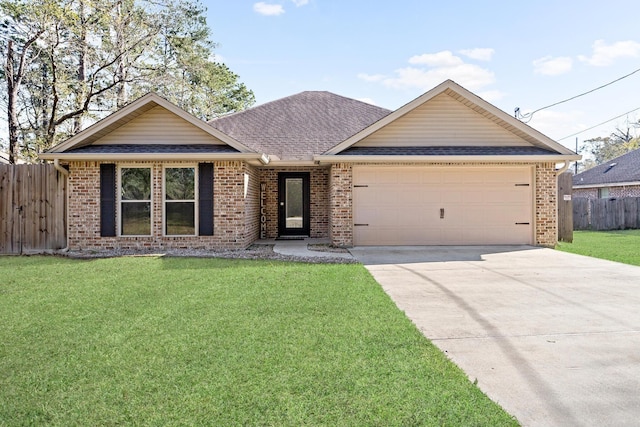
[[444, 159]]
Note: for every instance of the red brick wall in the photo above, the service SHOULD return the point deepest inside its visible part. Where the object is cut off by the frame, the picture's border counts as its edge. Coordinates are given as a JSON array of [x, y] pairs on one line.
[[319, 178], [546, 210], [231, 230], [341, 204]]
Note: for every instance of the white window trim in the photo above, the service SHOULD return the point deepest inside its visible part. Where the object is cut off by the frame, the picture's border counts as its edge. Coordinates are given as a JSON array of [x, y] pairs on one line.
[[196, 205], [120, 201]]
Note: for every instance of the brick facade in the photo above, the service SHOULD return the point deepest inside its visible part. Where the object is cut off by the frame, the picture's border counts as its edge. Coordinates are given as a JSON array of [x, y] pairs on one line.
[[341, 204], [237, 215], [546, 211], [232, 229], [319, 178]]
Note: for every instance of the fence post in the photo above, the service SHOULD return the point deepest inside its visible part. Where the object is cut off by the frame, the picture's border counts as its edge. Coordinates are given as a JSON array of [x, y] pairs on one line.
[[565, 207]]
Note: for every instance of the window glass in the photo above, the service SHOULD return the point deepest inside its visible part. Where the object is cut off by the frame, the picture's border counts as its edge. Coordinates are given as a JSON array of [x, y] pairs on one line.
[[136, 219], [136, 183], [180, 183], [135, 201], [180, 205]]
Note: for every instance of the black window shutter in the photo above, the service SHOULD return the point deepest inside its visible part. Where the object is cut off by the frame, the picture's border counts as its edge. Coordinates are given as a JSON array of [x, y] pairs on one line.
[[107, 199], [205, 194]]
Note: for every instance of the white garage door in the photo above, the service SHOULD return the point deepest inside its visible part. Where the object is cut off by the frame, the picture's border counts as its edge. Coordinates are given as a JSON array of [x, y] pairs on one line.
[[442, 205]]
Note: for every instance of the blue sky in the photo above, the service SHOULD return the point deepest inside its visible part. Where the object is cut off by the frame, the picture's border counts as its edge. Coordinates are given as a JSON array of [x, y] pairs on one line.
[[513, 54]]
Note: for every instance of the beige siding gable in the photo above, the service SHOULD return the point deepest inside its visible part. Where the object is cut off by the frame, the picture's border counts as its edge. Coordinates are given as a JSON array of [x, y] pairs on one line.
[[442, 121], [158, 126]]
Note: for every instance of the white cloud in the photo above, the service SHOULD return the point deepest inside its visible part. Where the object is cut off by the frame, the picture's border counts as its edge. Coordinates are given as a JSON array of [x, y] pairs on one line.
[[440, 59], [557, 124], [468, 75], [480, 54], [430, 69], [491, 95], [604, 54], [550, 66], [268, 9], [299, 3], [371, 78]]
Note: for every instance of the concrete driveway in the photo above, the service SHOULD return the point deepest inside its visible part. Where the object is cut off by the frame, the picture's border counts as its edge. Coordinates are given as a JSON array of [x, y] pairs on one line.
[[552, 337]]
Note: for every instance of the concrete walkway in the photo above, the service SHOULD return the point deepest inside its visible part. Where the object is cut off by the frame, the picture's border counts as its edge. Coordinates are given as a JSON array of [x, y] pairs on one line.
[[552, 337], [300, 248]]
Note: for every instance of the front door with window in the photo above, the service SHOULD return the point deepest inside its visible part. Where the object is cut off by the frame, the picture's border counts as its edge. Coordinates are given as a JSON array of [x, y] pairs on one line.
[[293, 204]]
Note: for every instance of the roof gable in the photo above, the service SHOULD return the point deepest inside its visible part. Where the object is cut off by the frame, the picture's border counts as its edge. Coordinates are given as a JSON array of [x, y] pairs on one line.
[[300, 126], [622, 169], [149, 120], [461, 108], [442, 121]]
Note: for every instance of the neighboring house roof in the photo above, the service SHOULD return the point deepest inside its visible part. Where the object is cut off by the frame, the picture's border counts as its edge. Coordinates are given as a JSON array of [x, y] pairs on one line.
[[81, 146], [622, 170], [461, 107], [300, 126], [4, 158]]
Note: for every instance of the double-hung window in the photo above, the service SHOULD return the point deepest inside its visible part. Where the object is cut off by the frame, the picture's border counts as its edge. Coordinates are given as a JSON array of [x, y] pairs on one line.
[[180, 201], [135, 201]]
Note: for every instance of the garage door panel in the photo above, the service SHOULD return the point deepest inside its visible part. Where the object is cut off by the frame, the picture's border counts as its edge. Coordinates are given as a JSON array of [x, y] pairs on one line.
[[402, 205]]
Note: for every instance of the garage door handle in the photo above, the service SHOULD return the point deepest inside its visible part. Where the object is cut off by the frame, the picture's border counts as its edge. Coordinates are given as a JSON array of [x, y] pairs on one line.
[[360, 225], [441, 213], [522, 223]]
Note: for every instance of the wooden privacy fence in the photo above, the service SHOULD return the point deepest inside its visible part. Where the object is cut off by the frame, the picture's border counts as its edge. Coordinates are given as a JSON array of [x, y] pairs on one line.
[[32, 208], [565, 210], [606, 214]]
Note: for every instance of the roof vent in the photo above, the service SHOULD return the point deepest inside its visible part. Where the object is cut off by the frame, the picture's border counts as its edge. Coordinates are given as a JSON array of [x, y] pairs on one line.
[[610, 167]]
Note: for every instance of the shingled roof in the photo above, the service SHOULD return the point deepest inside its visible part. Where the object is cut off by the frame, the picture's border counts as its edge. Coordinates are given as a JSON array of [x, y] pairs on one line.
[[623, 169], [300, 126]]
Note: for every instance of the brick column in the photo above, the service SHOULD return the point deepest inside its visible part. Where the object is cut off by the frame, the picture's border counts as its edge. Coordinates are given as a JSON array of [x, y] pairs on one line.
[[546, 205], [341, 204]]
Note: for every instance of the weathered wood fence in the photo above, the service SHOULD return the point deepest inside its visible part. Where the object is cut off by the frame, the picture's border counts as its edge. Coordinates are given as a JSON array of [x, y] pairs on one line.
[[32, 208], [606, 214], [565, 207]]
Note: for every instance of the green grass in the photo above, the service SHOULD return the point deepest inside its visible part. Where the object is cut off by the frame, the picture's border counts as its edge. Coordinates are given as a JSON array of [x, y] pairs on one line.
[[622, 246], [186, 341]]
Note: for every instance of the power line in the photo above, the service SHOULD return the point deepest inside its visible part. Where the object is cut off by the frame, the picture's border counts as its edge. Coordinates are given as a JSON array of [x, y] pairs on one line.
[[599, 124], [527, 117]]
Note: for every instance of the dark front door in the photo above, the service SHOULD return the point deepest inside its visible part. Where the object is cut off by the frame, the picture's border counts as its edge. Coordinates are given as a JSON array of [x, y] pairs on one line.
[[293, 204]]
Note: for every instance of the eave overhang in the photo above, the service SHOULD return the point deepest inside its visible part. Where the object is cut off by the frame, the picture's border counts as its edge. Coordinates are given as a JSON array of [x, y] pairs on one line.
[[122, 157], [326, 159]]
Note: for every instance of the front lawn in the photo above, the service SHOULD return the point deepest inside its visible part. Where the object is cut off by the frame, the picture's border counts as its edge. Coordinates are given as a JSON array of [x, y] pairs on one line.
[[188, 341], [620, 245]]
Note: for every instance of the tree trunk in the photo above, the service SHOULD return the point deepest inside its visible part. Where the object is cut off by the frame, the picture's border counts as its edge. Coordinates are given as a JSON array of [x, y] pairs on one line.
[[12, 96]]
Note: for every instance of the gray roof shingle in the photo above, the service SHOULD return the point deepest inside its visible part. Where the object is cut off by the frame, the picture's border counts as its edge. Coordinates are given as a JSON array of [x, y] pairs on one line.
[[625, 168], [447, 151], [300, 126]]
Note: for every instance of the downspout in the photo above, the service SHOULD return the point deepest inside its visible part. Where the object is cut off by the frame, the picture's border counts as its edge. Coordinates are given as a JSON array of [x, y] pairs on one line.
[[564, 167], [59, 168], [559, 172], [65, 173]]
